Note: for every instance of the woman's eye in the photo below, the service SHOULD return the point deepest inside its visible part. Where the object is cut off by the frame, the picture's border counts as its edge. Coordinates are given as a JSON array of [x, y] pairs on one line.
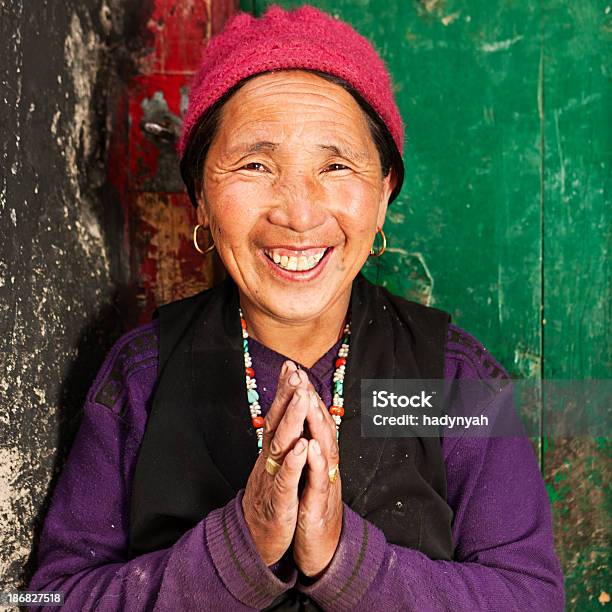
[[258, 167], [333, 167]]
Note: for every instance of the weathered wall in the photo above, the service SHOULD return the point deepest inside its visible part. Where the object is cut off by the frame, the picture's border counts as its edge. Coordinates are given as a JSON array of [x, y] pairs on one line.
[[63, 269]]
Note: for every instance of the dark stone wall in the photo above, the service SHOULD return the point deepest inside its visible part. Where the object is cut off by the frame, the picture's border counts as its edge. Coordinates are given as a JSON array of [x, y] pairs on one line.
[[64, 269]]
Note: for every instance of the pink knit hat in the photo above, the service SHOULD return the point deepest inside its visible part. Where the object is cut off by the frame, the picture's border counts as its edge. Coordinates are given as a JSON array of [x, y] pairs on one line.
[[303, 38]]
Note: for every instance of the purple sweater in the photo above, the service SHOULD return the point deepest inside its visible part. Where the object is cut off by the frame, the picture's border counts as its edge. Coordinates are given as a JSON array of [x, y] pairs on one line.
[[504, 554]]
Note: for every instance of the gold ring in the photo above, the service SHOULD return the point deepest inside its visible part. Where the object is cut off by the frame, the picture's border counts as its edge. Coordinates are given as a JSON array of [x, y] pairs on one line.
[[333, 473], [272, 466]]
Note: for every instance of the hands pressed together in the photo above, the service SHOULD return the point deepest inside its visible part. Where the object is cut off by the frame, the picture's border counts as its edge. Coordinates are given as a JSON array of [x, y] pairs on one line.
[[276, 512]]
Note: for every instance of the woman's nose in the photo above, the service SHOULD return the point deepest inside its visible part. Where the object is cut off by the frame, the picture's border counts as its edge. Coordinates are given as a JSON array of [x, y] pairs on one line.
[[300, 204]]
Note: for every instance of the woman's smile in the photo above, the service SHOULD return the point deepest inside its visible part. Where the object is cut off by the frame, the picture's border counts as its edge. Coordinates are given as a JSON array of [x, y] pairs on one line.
[[297, 265]]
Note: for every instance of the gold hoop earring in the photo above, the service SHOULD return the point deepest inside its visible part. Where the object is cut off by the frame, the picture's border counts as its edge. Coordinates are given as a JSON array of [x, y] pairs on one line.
[[384, 244], [195, 241]]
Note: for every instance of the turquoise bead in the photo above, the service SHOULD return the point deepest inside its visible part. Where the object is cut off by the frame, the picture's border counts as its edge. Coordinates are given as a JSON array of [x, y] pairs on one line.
[[259, 442], [252, 395], [245, 345], [338, 387]]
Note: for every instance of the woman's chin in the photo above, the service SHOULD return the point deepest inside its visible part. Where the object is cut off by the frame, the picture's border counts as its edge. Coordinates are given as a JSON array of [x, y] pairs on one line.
[[295, 312], [297, 295], [295, 302]]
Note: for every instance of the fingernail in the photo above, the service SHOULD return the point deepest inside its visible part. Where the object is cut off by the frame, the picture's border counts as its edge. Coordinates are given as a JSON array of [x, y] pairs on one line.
[[317, 448], [294, 379], [290, 366], [299, 448]]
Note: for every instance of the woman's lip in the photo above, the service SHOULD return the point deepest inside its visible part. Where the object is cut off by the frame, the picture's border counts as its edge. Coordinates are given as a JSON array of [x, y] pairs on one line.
[[298, 275], [292, 251]]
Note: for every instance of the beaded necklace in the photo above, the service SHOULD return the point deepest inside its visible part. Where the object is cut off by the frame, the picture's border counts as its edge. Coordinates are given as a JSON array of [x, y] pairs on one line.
[[337, 407]]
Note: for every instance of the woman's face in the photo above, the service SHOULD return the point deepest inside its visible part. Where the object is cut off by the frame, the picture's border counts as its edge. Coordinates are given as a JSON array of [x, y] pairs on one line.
[[293, 192]]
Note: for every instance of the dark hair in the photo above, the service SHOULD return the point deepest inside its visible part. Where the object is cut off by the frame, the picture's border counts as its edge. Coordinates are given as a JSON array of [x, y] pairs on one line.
[[194, 156]]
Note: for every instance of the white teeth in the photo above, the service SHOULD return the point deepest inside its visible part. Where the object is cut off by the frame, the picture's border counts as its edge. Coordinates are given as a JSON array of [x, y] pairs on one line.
[[294, 263]]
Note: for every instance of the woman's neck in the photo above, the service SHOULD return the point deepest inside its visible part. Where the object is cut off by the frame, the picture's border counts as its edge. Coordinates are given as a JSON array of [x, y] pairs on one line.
[[301, 341]]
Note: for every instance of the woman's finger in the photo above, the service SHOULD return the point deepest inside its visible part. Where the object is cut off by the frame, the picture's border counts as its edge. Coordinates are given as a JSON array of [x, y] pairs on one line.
[[328, 416], [289, 380], [284, 495], [315, 496], [322, 428], [290, 428]]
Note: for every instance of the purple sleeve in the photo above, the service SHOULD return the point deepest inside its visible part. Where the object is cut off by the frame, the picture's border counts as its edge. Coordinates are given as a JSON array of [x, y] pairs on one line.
[[504, 554], [82, 550]]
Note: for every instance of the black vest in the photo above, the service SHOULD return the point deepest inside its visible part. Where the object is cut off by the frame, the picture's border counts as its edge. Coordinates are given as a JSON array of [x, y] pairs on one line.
[[199, 445]]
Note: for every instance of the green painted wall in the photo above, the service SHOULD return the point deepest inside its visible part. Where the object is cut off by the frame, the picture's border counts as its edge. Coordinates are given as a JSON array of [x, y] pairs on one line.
[[502, 220]]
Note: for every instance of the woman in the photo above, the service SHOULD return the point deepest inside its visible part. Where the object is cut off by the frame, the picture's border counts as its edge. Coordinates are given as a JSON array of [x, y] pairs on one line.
[[186, 490]]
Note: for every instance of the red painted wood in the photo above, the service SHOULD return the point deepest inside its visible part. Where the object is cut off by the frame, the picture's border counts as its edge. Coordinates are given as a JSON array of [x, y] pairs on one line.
[[143, 170], [150, 90], [220, 12], [179, 29]]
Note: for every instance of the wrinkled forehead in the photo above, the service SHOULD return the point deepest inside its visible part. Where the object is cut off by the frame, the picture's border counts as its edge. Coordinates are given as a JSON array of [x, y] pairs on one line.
[[293, 102]]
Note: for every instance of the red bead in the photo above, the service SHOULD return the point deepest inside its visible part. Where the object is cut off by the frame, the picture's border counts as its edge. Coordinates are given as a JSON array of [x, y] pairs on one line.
[[250, 372], [243, 323], [337, 411], [258, 422], [340, 361]]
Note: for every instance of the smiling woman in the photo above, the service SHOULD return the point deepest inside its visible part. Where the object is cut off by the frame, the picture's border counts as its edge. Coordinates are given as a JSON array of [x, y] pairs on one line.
[[220, 462]]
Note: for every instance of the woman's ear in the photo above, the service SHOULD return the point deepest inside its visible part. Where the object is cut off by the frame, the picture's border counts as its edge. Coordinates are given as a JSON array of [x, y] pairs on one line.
[[202, 213], [388, 185]]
